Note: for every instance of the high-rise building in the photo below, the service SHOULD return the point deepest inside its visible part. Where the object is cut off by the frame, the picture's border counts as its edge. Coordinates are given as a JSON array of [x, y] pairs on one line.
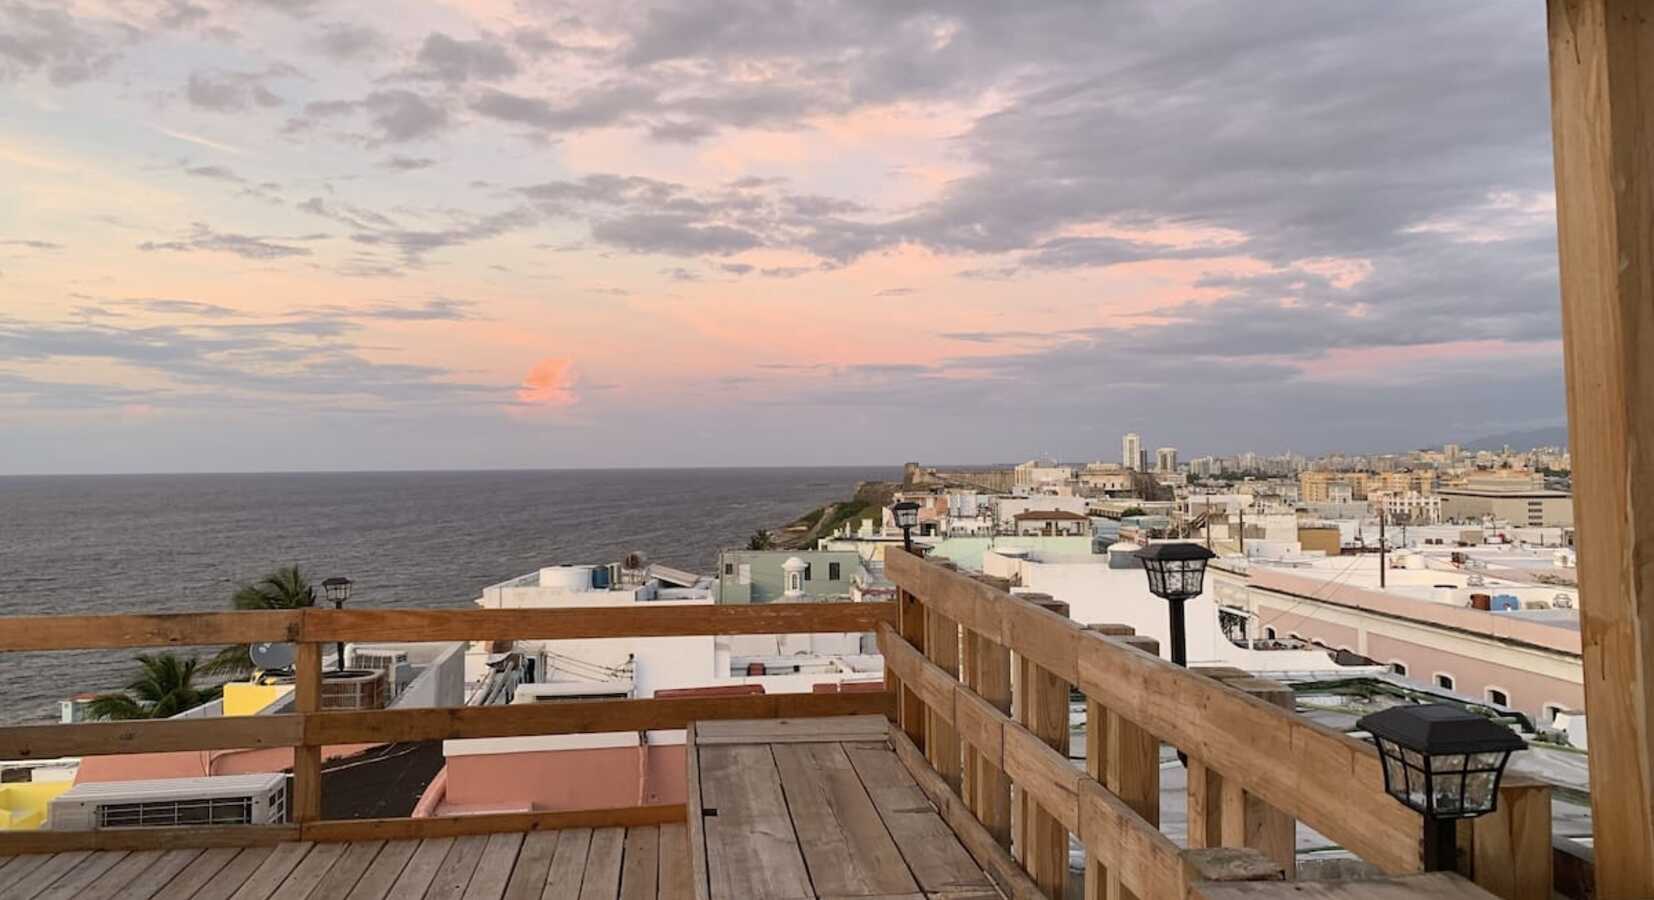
[[1165, 459], [1131, 451]]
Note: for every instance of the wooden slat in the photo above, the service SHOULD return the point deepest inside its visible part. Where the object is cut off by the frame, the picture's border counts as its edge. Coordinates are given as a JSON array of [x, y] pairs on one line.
[[1266, 828], [676, 874], [696, 815], [1205, 806], [43, 875], [994, 859], [1042, 707], [971, 603], [911, 625], [198, 874], [307, 760], [934, 855], [454, 875], [568, 865], [164, 870], [528, 876], [1437, 886], [159, 630], [1044, 775], [1511, 848], [924, 679], [273, 871], [310, 871], [43, 841], [1145, 861], [1306, 770], [639, 620], [494, 869], [783, 730], [16, 867], [1602, 132], [602, 879], [942, 741], [577, 717], [123, 873], [992, 803], [149, 736], [384, 871], [80, 877], [349, 870], [750, 846], [640, 870], [421, 869], [235, 872], [845, 844], [490, 823]]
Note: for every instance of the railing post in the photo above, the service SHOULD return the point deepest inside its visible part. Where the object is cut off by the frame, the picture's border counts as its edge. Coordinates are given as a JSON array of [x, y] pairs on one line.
[[1096, 766], [1510, 849], [1267, 829], [1133, 772], [1042, 708], [1205, 785], [942, 747], [913, 631], [307, 759], [993, 789]]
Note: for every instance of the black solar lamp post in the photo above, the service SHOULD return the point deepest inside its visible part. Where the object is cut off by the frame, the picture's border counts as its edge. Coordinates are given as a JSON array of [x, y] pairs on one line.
[[1443, 762], [1176, 570], [338, 591], [906, 514]]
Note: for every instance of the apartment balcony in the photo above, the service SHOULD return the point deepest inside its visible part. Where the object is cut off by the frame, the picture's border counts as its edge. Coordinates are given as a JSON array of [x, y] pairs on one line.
[[954, 782]]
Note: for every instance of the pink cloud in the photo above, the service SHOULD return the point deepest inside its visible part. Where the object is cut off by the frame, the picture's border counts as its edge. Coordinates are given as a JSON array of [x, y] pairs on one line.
[[549, 384]]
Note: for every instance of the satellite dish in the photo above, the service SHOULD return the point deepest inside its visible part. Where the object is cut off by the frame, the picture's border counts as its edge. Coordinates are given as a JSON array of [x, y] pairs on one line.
[[272, 656], [635, 561]]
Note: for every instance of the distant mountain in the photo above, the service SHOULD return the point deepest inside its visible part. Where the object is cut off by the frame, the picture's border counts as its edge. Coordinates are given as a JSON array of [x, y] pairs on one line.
[[1554, 436]]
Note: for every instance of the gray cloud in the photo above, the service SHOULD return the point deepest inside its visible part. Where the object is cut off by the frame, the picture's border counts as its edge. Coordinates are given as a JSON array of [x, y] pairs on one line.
[[46, 38], [408, 163], [31, 244], [396, 115], [227, 91], [203, 237], [454, 61], [349, 41], [601, 106], [192, 308]]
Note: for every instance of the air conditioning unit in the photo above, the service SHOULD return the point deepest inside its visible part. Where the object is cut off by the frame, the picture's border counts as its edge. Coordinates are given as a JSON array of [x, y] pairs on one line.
[[216, 800], [394, 663]]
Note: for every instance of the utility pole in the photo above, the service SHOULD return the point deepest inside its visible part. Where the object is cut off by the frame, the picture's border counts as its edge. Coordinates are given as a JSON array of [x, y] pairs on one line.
[[1208, 520], [1243, 531], [1381, 546]]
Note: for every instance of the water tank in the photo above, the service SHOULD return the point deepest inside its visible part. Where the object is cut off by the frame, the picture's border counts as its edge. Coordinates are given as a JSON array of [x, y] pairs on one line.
[[1504, 602], [569, 578], [1123, 555], [1481, 601], [600, 578]]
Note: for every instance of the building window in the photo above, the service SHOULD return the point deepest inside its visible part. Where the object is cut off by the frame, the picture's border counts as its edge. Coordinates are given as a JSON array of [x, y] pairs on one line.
[[1498, 697], [729, 568], [1398, 667], [1552, 710], [1444, 681], [1269, 633], [806, 571], [832, 571]]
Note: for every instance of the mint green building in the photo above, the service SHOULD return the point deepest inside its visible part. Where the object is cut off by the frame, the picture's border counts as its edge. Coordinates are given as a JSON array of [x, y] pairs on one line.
[[769, 576]]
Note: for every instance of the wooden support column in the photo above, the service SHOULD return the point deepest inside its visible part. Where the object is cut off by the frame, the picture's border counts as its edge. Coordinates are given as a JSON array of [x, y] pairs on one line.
[[1133, 770], [1096, 766], [1263, 827], [1205, 785], [1042, 708], [968, 645], [307, 759], [913, 631], [1602, 119], [1510, 849], [993, 788], [942, 742]]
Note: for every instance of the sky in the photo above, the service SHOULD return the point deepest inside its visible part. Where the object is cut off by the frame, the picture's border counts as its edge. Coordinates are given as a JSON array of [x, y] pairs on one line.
[[245, 235]]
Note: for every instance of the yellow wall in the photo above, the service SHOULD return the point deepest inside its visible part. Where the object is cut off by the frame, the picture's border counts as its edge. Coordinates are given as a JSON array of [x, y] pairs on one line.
[[244, 699], [23, 806]]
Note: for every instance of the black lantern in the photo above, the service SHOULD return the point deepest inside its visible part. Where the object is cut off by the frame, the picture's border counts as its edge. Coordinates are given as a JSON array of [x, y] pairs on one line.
[[337, 589], [1443, 762], [906, 514], [1176, 570]]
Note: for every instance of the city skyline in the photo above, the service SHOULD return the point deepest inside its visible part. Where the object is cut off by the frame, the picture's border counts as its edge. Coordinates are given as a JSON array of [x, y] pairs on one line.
[[274, 235]]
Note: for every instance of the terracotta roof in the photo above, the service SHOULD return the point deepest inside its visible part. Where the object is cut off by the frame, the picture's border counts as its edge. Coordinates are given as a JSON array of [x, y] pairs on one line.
[[1061, 515]]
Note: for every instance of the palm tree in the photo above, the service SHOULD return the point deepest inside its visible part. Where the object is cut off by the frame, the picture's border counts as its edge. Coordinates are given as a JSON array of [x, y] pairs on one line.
[[760, 540], [163, 687], [285, 588]]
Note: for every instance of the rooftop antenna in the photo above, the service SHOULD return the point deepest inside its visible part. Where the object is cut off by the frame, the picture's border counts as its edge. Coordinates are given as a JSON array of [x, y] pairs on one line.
[[271, 656]]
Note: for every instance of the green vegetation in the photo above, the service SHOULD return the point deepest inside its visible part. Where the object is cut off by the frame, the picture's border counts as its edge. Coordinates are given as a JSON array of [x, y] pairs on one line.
[[761, 540], [1130, 511], [285, 588], [163, 687]]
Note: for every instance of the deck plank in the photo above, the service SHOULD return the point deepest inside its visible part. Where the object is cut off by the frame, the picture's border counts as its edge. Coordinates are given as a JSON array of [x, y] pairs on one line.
[[44, 875], [454, 875], [791, 731], [234, 873], [640, 870], [120, 874], [602, 879], [157, 876], [845, 843], [751, 849], [273, 871], [568, 866], [677, 876], [932, 851], [421, 869], [386, 868], [499, 858], [83, 875], [15, 868], [302, 881], [342, 878], [528, 876], [197, 874]]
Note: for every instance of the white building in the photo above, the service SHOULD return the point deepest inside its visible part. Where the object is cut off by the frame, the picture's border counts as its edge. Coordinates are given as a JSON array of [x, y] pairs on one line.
[[1038, 473], [1165, 459], [1131, 451]]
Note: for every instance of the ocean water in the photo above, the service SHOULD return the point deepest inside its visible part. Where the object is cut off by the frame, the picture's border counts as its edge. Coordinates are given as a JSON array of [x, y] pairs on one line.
[[182, 543]]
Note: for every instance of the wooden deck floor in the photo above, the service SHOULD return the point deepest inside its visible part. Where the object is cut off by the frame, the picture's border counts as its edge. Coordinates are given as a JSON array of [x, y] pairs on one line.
[[641, 863], [819, 808]]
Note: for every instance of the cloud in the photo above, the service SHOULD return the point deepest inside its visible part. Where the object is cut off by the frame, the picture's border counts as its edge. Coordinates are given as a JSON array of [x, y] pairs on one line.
[[408, 163], [193, 308], [453, 61], [550, 384], [437, 309], [228, 92], [31, 244], [46, 38], [203, 237], [349, 41], [605, 105]]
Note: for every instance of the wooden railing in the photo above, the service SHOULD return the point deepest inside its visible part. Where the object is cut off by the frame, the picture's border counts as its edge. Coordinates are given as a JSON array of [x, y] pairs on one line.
[[307, 730], [984, 677]]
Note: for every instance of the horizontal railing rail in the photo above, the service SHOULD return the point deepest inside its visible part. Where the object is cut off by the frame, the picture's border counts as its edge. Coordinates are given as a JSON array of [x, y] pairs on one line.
[[307, 730], [999, 740]]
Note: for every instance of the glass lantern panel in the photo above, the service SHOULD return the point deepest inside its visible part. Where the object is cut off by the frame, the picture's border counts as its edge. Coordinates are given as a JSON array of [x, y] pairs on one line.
[[1478, 792], [1414, 759], [1488, 760], [1445, 792], [1416, 789], [1395, 777], [1453, 762], [1157, 580]]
